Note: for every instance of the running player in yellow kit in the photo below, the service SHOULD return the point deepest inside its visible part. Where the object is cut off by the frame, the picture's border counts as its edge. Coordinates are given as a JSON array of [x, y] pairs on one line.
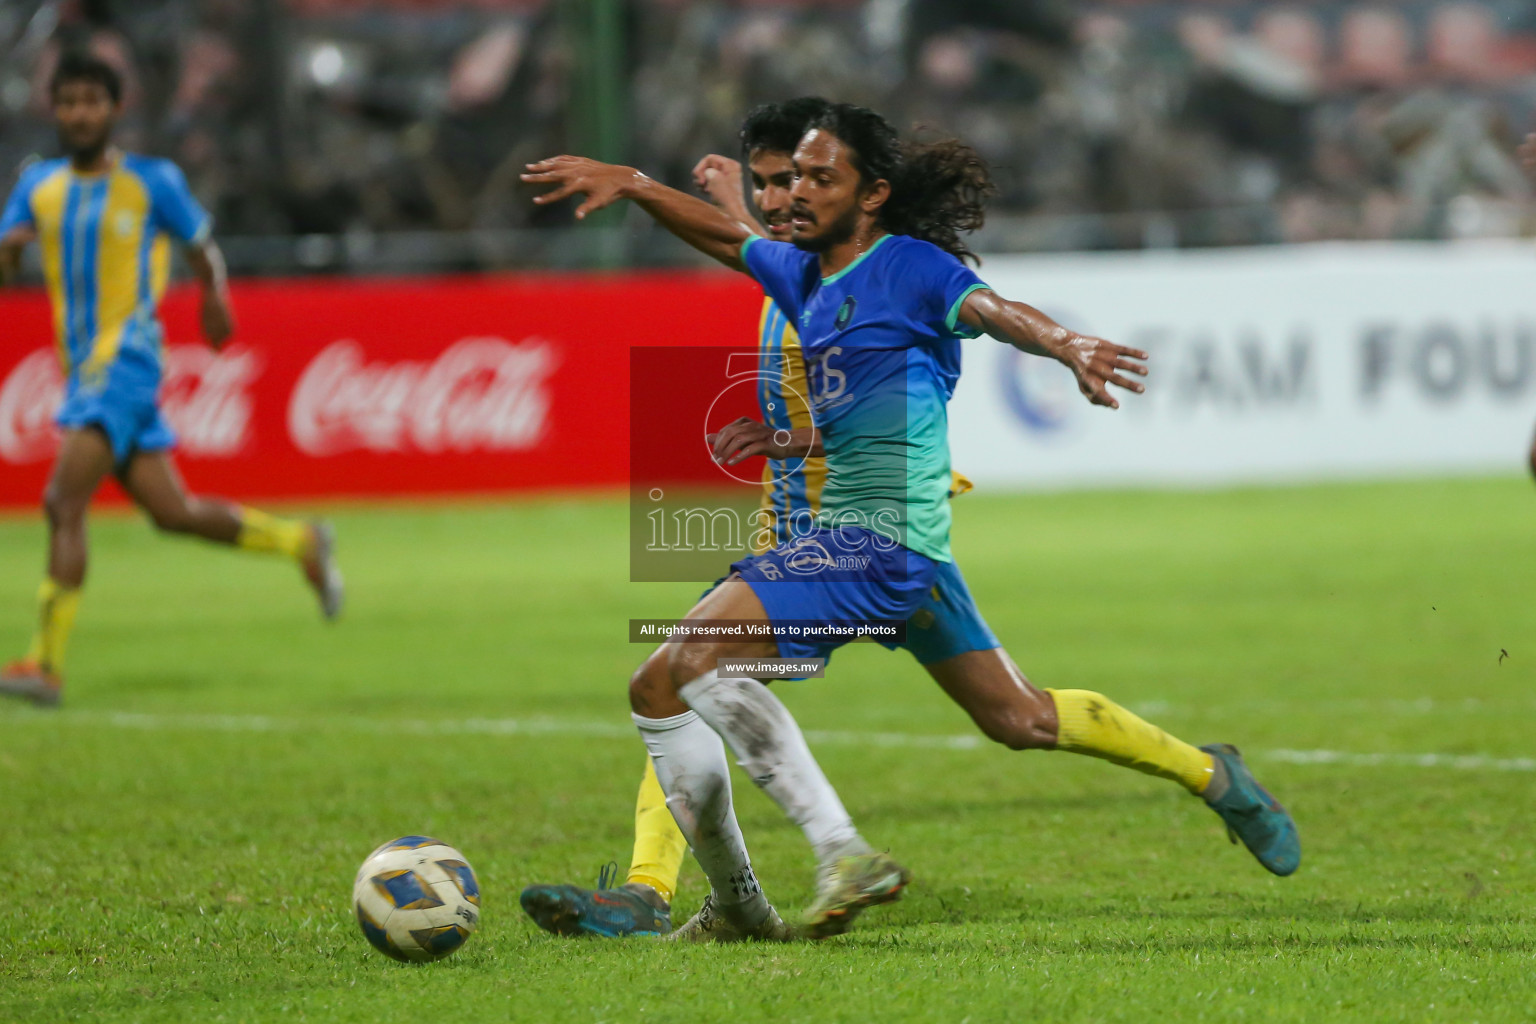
[[104, 220]]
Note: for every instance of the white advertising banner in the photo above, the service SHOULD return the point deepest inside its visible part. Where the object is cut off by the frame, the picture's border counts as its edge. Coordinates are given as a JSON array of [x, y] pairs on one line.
[[1284, 364]]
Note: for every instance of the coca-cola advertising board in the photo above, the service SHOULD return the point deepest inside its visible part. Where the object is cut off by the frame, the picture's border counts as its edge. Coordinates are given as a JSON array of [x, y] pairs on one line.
[[390, 387]]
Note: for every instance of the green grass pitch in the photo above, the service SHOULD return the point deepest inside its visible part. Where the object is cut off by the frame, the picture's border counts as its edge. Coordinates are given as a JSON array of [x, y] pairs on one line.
[[180, 838]]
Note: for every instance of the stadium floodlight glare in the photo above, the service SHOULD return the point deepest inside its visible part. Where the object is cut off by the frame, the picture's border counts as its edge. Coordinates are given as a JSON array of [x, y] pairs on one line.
[[327, 64]]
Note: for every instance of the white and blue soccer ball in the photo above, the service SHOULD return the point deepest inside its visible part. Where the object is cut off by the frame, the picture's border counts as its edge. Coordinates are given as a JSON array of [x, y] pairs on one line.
[[416, 899]]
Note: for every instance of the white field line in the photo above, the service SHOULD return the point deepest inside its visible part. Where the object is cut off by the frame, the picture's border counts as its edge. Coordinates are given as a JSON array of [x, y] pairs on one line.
[[1332, 706], [546, 726], [1460, 762]]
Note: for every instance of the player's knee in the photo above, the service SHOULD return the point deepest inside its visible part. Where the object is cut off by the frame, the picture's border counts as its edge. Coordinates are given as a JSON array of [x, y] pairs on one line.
[[650, 686], [686, 662], [63, 510]]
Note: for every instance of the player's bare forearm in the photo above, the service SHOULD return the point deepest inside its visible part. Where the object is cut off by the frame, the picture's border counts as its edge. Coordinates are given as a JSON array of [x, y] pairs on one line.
[[207, 263], [711, 231], [1095, 362], [1017, 323], [708, 229], [745, 438]]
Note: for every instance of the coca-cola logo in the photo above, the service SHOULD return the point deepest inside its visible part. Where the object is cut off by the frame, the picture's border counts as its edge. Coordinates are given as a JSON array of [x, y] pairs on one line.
[[480, 394], [205, 397], [28, 400]]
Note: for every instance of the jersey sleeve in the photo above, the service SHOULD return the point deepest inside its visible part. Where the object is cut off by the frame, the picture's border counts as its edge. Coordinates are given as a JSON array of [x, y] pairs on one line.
[[781, 269], [940, 283], [174, 209], [18, 208]]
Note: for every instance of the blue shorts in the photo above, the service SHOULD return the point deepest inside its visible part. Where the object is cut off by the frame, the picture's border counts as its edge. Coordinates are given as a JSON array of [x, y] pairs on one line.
[[125, 404], [844, 575], [945, 625], [948, 622]]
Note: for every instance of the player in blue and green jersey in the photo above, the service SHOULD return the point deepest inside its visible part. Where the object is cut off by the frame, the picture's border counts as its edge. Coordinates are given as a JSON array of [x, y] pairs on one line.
[[875, 282], [105, 221]]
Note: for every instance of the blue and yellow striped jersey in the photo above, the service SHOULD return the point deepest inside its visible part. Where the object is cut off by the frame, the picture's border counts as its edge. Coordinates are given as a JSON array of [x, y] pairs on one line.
[[783, 396], [106, 253]]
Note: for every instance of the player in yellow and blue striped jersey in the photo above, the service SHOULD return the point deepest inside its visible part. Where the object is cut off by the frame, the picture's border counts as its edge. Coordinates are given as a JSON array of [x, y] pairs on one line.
[[791, 487], [105, 221]]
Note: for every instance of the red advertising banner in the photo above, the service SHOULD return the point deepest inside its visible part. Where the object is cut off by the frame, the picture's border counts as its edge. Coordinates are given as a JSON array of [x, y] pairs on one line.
[[390, 387]]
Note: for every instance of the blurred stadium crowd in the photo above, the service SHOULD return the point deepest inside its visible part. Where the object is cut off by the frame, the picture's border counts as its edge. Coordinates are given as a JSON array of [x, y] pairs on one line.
[[330, 127]]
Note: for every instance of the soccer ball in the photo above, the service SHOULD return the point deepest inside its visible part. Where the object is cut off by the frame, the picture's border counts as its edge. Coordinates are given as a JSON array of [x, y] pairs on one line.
[[416, 899]]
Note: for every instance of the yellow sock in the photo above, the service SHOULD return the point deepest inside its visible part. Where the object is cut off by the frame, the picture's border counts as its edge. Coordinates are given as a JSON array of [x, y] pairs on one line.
[[56, 608], [659, 843], [262, 532], [1090, 723]]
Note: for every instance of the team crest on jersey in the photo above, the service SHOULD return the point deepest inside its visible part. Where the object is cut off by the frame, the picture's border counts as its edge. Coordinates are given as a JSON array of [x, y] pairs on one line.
[[124, 223], [845, 312]]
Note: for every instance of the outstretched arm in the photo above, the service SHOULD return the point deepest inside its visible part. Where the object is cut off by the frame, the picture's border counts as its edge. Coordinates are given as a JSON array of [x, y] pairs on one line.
[[1095, 363], [712, 232], [207, 264], [719, 178], [11, 245]]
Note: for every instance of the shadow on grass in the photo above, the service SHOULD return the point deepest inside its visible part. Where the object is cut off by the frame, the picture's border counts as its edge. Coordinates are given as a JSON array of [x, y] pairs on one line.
[[951, 809]]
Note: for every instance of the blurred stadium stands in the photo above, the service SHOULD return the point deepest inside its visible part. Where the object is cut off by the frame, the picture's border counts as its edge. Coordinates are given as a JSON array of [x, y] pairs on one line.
[[386, 135]]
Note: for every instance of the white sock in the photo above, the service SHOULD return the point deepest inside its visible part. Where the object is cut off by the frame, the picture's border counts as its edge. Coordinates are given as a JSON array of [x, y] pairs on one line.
[[770, 747], [691, 766]]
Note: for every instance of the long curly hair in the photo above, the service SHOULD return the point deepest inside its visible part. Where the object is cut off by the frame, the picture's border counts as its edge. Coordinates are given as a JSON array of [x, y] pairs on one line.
[[939, 190]]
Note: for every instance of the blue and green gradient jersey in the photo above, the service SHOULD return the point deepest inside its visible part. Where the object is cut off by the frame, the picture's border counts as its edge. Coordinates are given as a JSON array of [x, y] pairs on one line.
[[880, 342], [106, 254]]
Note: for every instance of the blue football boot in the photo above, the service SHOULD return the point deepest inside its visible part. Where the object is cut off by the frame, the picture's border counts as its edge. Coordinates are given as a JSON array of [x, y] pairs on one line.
[[607, 912], [1254, 816]]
